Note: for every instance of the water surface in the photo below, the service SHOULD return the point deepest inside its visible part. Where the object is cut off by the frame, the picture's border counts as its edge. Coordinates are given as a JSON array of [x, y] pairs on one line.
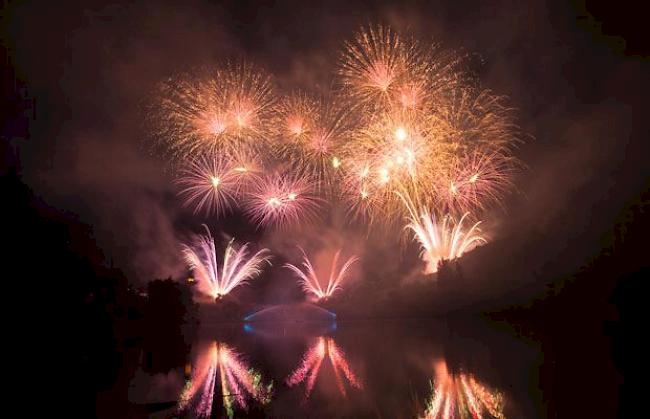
[[328, 369]]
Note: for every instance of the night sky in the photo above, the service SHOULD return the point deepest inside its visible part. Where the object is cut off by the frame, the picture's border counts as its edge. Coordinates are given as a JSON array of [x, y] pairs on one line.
[[579, 95], [577, 76]]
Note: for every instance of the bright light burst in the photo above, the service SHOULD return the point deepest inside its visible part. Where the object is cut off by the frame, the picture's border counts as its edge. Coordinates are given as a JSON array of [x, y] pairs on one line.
[[443, 239], [214, 183], [373, 64], [219, 367], [308, 370], [238, 267], [282, 200], [309, 279], [228, 110], [461, 396]]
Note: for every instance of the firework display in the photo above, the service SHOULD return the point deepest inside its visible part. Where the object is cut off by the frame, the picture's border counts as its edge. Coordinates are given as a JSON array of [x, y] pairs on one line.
[[227, 111], [282, 199], [237, 267], [216, 183], [461, 396], [309, 279], [406, 138]]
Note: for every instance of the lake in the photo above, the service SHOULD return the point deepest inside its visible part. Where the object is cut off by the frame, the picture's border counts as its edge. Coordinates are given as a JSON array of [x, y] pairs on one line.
[[469, 368]]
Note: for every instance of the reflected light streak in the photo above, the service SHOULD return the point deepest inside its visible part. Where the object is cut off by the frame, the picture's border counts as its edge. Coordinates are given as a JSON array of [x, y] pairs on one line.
[[220, 368], [461, 396], [308, 370]]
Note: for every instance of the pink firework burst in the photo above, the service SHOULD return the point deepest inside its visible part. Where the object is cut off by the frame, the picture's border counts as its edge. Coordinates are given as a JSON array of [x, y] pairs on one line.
[[214, 183], [237, 266], [309, 279], [209, 184], [282, 200], [476, 181]]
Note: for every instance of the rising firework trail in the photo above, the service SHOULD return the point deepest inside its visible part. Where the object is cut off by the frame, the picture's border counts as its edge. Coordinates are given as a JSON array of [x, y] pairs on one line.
[[238, 267], [460, 396], [309, 368], [309, 279], [219, 370]]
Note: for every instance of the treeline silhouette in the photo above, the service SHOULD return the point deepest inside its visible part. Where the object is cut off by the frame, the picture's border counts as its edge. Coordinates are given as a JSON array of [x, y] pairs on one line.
[[80, 324]]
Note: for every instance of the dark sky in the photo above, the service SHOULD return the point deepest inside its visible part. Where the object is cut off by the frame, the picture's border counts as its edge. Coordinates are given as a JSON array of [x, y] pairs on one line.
[[580, 87]]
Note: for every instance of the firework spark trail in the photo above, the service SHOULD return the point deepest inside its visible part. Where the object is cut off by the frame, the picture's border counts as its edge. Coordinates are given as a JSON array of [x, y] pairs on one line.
[[282, 200], [237, 266], [460, 396], [309, 367], [476, 119], [309, 279], [308, 370], [444, 240], [238, 382]]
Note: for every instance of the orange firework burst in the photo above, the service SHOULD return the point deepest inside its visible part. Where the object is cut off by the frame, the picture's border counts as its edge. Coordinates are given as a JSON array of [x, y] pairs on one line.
[[398, 152], [310, 135], [380, 69], [231, 110], [447, 158], [373, 65], [475, 119], [297, 115]]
